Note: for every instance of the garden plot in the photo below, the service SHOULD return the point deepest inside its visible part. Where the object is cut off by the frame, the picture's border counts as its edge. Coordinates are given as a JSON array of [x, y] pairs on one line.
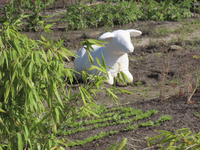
[[136, 122]]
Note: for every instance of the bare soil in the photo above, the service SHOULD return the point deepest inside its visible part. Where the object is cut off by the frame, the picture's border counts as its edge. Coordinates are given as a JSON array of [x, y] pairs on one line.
[[162, 65]]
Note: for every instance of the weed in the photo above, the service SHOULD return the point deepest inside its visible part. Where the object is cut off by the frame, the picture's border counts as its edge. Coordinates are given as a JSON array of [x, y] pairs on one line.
[[181, 139], [197, 114]]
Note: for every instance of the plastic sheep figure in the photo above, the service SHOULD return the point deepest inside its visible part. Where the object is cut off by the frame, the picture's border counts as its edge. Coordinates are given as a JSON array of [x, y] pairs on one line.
[[115, 54]]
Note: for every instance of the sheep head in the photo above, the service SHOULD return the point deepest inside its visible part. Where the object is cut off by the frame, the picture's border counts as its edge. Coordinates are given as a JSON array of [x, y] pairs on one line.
[[119, 41]]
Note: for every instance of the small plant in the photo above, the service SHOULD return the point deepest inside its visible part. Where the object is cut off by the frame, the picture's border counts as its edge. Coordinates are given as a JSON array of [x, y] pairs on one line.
[[197, 114], [181, 139], [131, 127], [148, 123], [164, 118]]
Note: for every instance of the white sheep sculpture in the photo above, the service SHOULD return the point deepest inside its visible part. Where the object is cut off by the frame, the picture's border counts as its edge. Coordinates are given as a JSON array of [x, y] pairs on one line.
[[115, 54]]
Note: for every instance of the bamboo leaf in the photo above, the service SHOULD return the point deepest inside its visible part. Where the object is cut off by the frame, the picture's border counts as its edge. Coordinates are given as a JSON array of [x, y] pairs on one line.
[[166, 4], [16, 42], [82, 95], [20, 142], [113, 147], [1, 43], [91, 112], [3, 111], [31, 69], [55, 148], [49, 26], [167, 139], [111, 93], [7, 93], [57, 114], [103, 62], [6, 58], [182, 130], [96, 41], [166, 132], [156, 137], [122, 144], [69, 93], [57, 94], [54, 128]]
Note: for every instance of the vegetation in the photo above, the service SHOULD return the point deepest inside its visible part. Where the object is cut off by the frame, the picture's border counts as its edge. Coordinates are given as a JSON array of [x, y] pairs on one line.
[[33, 99], [181, 139], [36, 89], [82, 16]]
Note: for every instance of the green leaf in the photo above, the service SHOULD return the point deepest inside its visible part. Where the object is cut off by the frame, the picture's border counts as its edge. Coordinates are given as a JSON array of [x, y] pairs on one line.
[[54, 128], [31, 70], [182, 130], [156, 137], [122, 144], [49, 26], [103, 61], [113, 147], [166, 4], [16, 42], [82, 95], [111, 93], [20, 142], [3, 111], [166, 139], [57, 113], [166, 132], [1, 43], [3, 19], [7, 93], [91, 112], [57, 94], [6, 58], [43, 38]]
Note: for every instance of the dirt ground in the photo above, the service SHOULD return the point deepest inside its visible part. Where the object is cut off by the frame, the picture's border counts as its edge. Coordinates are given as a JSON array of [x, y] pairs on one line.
[[162, 65]]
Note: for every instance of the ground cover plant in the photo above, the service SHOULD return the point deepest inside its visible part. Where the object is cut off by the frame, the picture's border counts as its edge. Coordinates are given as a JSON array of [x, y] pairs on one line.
[[42, 107]]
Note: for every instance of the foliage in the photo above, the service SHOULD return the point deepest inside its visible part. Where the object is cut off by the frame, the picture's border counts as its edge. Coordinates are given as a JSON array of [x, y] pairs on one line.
[[31, 85], [34, 97], [82, 16], [30, 11], [79, 16], [121, 145], [181, 139], [153, 10]]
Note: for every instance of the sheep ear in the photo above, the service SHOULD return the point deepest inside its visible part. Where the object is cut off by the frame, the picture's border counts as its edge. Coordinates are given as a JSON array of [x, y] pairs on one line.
[[134, 33], [106, 36]]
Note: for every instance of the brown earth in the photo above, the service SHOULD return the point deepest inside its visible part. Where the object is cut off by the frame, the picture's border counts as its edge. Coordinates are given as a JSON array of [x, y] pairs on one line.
[[162, 64]]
